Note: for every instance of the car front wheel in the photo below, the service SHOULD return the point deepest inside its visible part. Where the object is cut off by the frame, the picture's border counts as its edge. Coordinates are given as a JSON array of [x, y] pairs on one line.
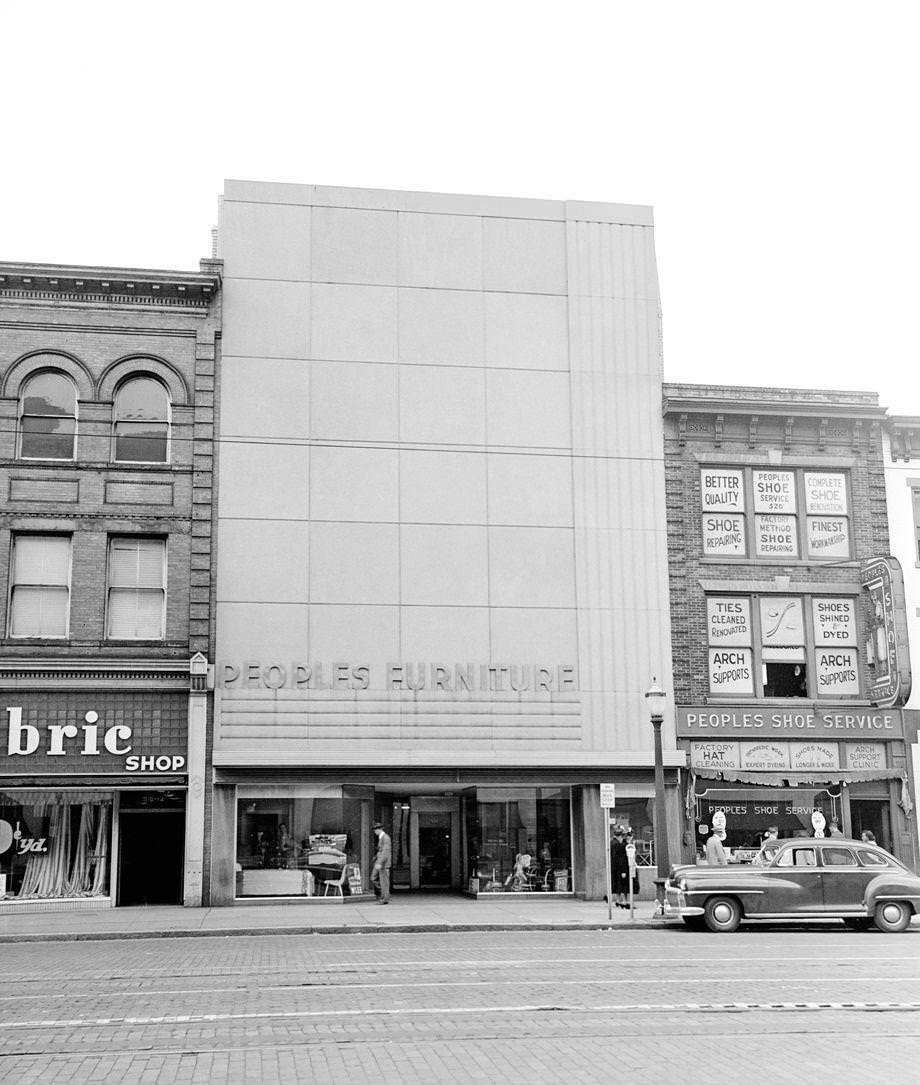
[[892, 916], [722, 914]]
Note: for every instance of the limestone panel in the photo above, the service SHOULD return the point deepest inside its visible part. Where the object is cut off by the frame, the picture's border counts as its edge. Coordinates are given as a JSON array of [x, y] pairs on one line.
[[348, 483], [265, 398], [265, 319], [440, 250], [354, 563], [442, 405], [531, 567], [357, 634], [442, 327], [354, 246], [264, 632], [442, 487], [528, 409], [354, 323], [263, 481], [265, 241], [530, 490], [444, 565], [527, 331], [524, 255], [353, 401], [532, 635], [262, 561], [445, 635]]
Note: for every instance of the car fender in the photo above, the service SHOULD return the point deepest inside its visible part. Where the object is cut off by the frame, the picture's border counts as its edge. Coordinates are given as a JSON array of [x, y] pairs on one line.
[[893, 886]]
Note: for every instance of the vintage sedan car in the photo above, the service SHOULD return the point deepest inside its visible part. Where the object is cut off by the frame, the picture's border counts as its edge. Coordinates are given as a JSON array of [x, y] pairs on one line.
[[802, 878]]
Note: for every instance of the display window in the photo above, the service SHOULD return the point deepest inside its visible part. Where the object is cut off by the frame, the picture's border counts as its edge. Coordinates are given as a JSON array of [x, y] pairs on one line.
[[54, 844], [519, 840], [750, 813], [302, 841]]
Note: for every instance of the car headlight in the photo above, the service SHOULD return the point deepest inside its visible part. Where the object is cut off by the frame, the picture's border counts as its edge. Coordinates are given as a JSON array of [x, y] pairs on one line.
[[682, 885]]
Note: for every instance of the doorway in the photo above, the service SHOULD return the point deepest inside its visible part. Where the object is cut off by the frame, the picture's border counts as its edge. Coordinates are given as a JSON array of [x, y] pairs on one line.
[[151, 856], [425, 834]]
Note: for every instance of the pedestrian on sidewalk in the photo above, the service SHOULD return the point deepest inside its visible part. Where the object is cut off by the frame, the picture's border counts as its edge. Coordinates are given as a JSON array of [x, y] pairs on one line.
[[380, 874], [619, 870]]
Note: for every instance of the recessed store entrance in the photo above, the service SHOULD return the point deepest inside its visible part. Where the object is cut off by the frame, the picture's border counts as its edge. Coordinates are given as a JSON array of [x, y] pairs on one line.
[[425, 831], [151, 848]]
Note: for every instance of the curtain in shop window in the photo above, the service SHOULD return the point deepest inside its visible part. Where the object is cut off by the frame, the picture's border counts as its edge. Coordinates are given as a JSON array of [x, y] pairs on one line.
[[80, 880], [46, 874], [100, 856]]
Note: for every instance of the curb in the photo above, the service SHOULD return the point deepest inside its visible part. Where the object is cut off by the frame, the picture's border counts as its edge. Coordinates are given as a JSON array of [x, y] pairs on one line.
[[364, 928]]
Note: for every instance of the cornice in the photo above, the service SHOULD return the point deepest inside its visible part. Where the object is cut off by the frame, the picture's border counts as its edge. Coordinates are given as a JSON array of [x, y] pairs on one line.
[[136, 287], [115, 674], [782, 402]]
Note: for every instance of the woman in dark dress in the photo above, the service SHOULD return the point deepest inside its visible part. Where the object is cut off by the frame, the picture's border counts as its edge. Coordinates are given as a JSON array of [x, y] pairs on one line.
[[619, 871]]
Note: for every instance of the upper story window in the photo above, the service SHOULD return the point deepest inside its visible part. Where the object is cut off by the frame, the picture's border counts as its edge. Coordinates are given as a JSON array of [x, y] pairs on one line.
[[775, 515], [141, 421], [40, 586], [137, 588], [48, 417], [782, 646]]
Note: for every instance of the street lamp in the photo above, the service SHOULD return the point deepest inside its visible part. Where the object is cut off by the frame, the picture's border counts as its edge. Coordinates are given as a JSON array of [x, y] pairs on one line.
[[656, 700]]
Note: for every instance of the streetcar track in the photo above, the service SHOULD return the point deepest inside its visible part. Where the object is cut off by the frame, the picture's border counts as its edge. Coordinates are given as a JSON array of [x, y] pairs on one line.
[[528, 1008]]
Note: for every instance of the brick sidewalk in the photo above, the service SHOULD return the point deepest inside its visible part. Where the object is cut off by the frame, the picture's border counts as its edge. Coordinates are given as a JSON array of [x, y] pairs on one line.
[[419, 912]]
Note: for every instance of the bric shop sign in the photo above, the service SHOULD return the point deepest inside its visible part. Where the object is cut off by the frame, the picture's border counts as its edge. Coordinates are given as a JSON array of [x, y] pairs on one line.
[[78, 745]]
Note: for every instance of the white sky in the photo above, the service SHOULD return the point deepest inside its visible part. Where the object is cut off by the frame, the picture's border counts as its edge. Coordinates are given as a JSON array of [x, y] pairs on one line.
[[776, 141]]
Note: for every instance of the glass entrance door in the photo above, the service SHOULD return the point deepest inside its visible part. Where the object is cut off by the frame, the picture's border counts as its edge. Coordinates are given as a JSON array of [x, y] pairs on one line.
[[434, 849]]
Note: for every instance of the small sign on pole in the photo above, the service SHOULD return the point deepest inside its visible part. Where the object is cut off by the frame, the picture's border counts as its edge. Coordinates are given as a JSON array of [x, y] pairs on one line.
[[608, 796]]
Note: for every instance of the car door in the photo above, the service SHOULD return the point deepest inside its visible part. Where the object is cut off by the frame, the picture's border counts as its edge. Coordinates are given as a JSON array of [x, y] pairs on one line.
[[792, 883], [844, 880]]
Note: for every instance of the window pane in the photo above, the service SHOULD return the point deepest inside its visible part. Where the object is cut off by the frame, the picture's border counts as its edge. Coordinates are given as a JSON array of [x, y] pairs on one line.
[[44, 438], [141, 442], [136, 563], [38, 612], [49, 394], [135, 615], [141, 398], [42, 559]]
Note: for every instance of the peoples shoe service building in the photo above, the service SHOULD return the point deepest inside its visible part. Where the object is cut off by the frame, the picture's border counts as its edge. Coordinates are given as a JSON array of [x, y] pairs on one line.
[[442, 581]]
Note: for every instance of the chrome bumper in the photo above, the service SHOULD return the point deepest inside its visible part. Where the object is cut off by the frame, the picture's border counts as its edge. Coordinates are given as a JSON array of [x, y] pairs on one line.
[[675, 904]]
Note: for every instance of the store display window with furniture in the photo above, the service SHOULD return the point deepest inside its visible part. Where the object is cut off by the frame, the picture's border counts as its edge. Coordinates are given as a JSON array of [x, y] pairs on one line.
[[518, 840], [302, 841]]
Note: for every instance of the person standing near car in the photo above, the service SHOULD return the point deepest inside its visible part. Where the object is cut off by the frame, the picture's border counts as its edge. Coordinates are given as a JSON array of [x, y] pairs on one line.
[[382, 860], [715, 853]]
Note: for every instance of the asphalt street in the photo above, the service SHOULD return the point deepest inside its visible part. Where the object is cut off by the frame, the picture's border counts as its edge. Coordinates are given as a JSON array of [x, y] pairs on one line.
[[779, 1005]]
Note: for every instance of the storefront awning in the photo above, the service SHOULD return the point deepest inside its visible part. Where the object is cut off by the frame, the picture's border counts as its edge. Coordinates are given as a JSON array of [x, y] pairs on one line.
[[790, 779], [821, 777]]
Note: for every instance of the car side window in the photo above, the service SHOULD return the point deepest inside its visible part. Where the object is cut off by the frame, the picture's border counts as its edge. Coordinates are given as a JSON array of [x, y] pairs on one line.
[[838, 857], [797, 857], [871, 858]]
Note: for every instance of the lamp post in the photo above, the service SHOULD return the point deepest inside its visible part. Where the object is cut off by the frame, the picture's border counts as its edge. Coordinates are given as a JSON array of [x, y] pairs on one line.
[[656, 700]]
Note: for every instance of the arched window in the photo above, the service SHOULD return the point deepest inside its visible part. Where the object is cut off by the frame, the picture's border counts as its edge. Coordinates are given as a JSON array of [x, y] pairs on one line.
[[48, 417], [141, 421]]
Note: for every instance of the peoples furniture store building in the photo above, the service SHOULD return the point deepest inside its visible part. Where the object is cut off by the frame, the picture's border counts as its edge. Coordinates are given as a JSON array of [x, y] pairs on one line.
[[442, 570]]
